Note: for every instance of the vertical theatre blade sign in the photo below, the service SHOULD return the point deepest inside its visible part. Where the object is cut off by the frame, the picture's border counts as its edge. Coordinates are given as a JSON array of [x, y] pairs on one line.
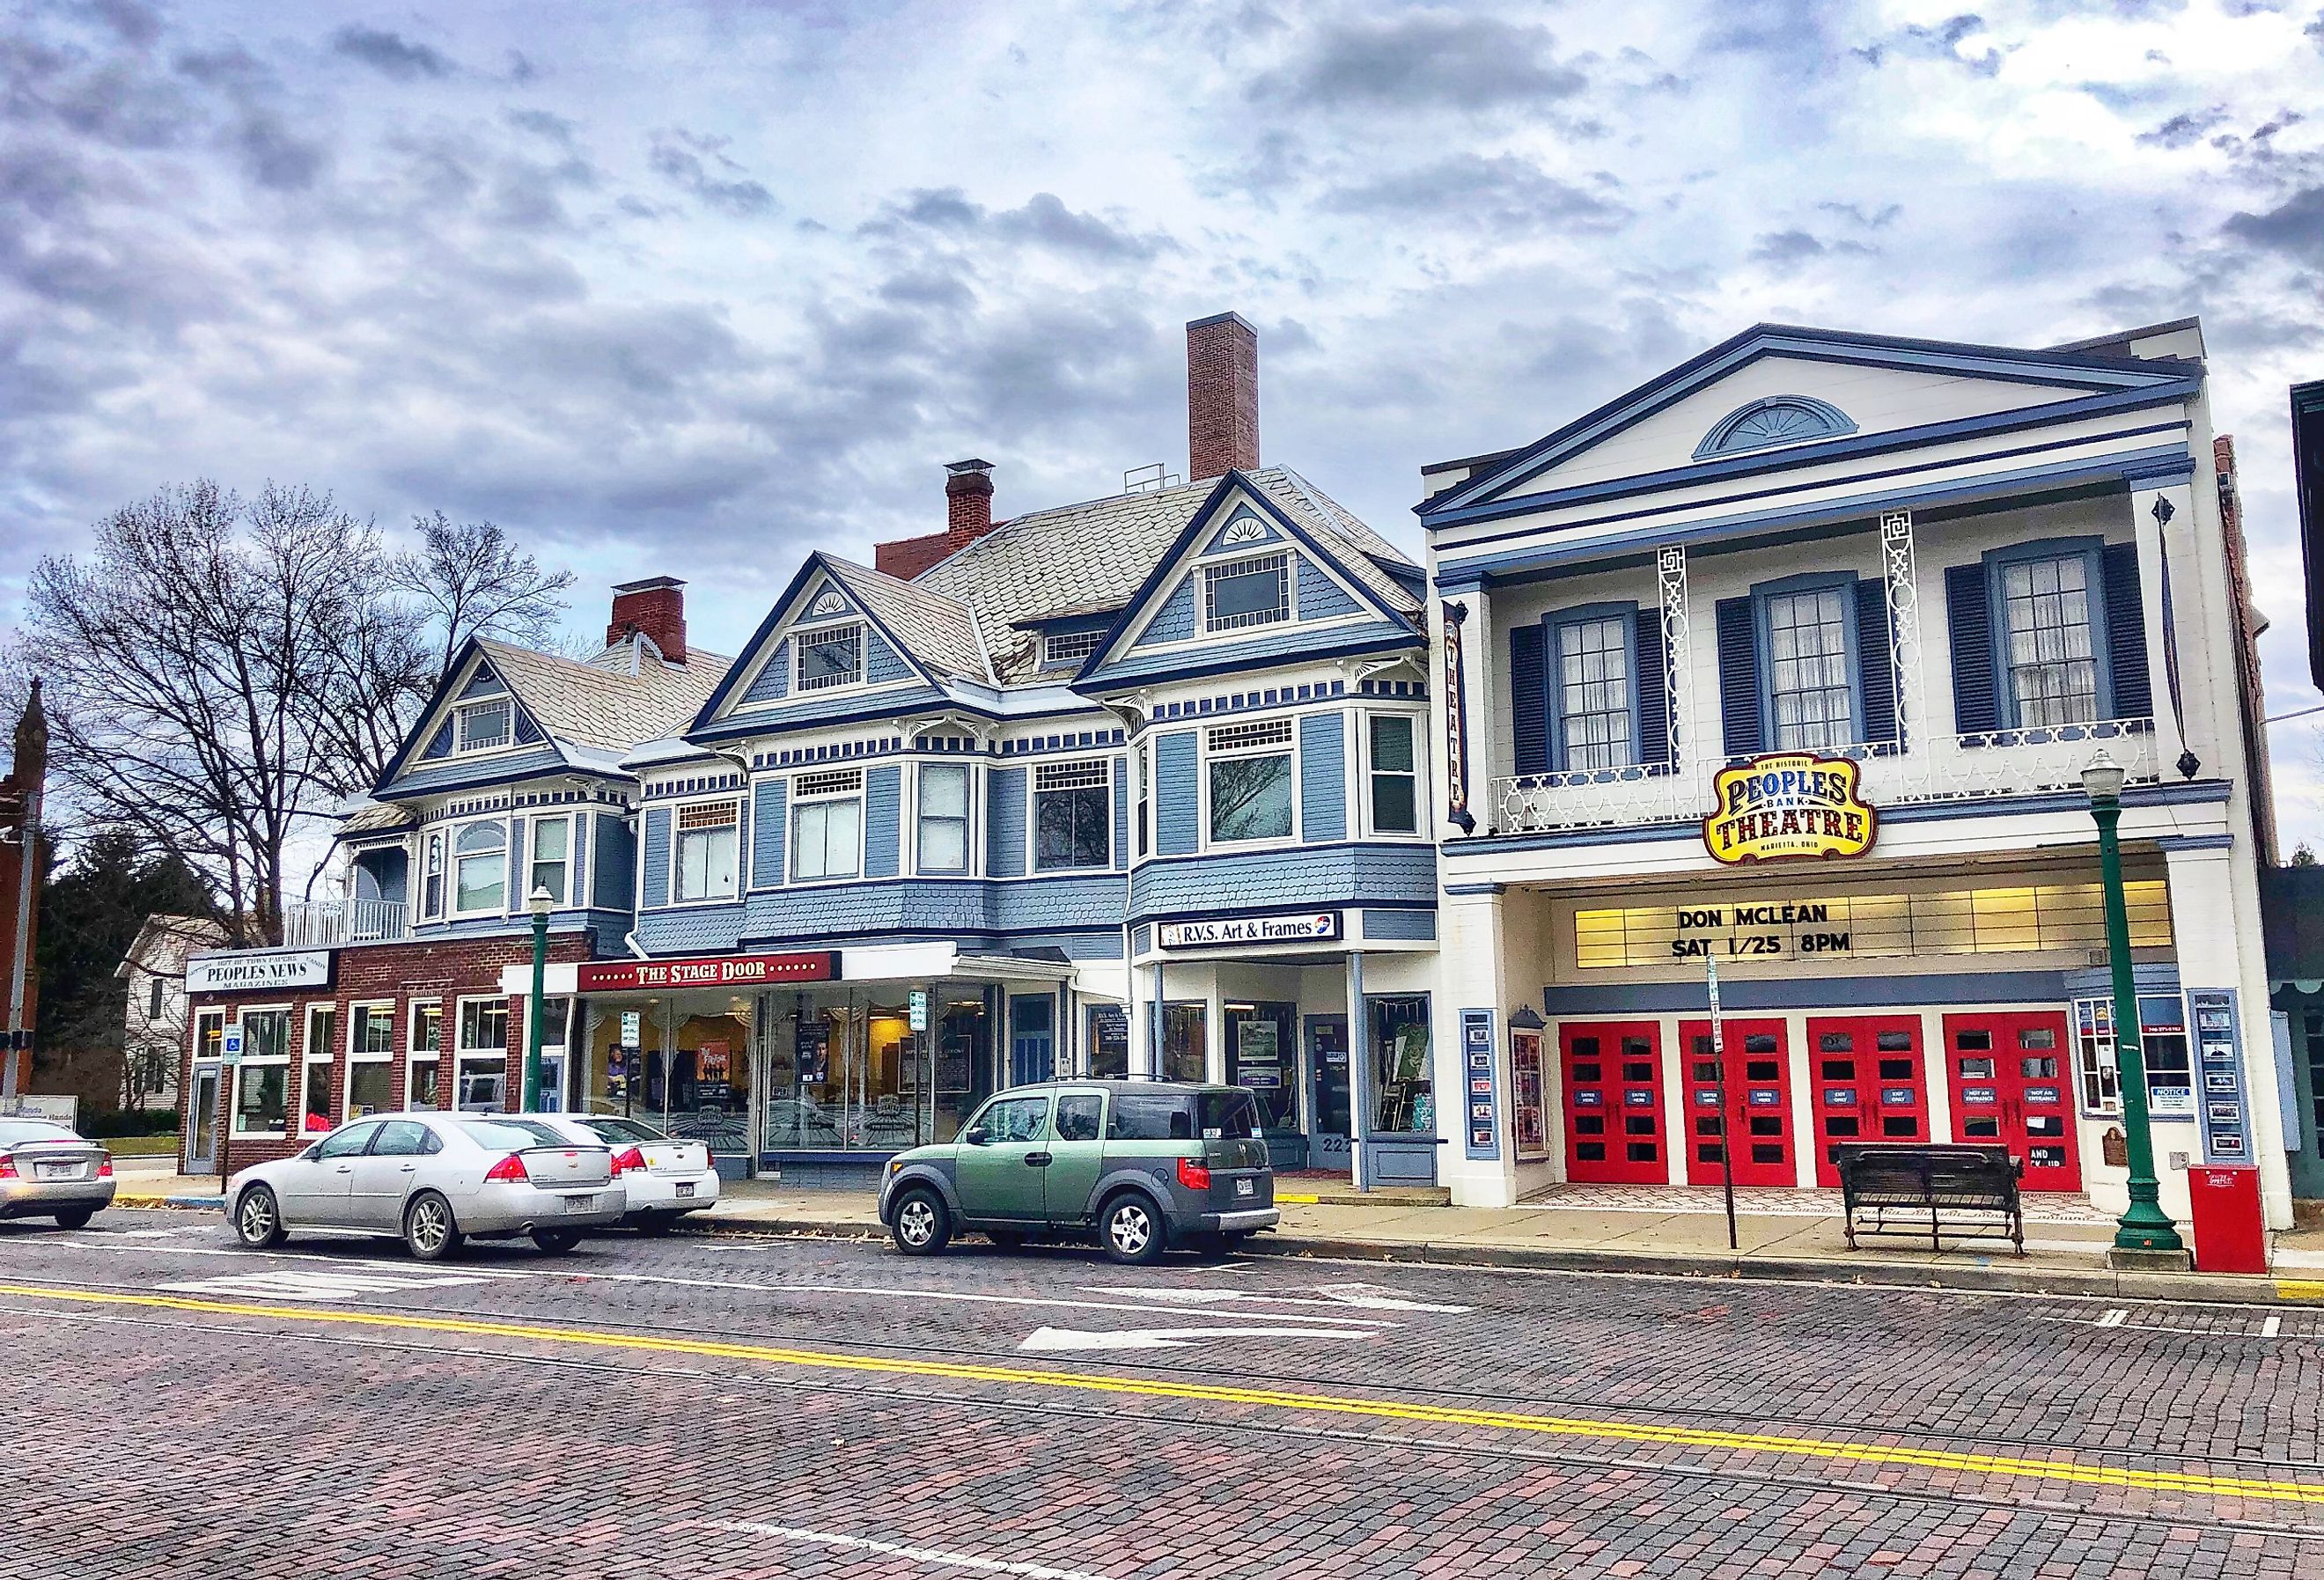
[[1456, 724]]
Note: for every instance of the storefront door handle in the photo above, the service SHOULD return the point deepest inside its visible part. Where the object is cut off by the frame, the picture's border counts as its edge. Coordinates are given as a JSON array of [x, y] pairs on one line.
[[1038, 1159]]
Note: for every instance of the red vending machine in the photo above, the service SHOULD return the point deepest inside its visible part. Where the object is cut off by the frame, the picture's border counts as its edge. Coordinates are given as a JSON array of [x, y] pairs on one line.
[[2230, 1234]]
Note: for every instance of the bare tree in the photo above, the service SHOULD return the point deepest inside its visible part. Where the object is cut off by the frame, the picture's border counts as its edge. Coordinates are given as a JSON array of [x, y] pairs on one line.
[[470, 580]]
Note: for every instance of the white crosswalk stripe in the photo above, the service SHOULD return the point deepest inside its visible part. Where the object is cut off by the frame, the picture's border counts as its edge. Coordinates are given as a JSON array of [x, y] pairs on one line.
[[303, 1284]]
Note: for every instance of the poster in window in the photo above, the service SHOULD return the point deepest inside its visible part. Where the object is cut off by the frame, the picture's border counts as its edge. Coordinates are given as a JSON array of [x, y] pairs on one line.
[[1256, 1042], [1411, 1052], [814, 1050], [712, 1060], [1526, 1087]]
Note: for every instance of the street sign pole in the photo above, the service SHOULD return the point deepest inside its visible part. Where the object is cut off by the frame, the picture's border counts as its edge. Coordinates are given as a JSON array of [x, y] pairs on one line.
[[1726, 1102]]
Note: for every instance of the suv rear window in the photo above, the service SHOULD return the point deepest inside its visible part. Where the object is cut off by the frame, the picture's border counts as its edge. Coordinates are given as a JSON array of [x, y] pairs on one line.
[[1149, 1116], [1228, 1116]]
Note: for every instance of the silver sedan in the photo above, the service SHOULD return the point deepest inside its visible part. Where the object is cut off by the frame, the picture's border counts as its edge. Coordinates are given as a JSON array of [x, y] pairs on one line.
[[435, 1179], [46, 1171]]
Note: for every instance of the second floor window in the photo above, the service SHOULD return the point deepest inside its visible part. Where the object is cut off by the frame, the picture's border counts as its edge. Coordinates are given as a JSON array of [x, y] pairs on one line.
[[1248, 592], [480, 869], [827, 825], [483, 724], [1593, 693], [1072, 816], [431, 884], [1250, 776], [944, 817], [2052, 665], [1396, 792], [709, 847], [552, 849], [153, 1000], [1808, 691], [830, 656]]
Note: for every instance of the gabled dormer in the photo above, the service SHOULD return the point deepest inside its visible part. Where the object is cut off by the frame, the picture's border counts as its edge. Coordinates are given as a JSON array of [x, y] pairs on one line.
[[1249, 581], [476, 730]]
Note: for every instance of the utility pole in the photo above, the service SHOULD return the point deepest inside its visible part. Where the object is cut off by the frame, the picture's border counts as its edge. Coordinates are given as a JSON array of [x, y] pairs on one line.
[[30, 771]]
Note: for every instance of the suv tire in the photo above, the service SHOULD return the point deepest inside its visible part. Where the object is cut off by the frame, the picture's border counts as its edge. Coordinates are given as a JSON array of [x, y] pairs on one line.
[[922, 1226], [1130, 1229]]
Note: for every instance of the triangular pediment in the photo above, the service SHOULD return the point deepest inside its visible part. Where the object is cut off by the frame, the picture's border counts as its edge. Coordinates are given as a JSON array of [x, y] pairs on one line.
[[820, 599]]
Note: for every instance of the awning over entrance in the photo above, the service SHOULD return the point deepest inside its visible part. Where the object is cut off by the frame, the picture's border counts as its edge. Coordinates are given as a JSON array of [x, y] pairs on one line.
[[908, 962]]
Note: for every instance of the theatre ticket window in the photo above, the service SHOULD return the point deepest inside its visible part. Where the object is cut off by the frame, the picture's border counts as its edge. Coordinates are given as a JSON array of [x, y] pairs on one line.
[[1404, 1099]]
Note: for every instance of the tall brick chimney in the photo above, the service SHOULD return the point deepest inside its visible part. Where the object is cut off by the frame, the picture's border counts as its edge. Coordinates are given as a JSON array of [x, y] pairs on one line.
[[654, 607], [968, 501], [1221, 395]]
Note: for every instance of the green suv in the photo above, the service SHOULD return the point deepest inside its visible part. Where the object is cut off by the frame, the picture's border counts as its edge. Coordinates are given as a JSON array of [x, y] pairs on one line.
[[1144, 1165]]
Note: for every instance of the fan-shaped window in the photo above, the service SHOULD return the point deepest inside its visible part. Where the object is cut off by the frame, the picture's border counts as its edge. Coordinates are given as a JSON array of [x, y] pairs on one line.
[[1773, 421]]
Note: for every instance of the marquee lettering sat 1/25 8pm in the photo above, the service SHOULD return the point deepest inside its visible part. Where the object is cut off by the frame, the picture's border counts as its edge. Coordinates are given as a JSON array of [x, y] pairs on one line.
[[1787, 806]]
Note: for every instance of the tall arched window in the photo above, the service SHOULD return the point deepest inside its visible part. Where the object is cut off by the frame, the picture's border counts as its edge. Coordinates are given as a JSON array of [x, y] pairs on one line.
[[480, 868]]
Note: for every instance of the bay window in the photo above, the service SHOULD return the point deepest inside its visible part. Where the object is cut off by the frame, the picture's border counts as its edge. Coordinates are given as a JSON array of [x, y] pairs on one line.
[[1250, 781], [480, 869], [1395, 774], [827, 825], [552, 852], [709, 849], [943, 837]]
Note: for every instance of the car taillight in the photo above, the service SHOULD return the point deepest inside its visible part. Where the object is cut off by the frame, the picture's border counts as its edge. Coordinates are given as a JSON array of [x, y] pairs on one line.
[[105, 1167], [1194, 1175], [7, 1167], [629, 1161], [509, 1171]]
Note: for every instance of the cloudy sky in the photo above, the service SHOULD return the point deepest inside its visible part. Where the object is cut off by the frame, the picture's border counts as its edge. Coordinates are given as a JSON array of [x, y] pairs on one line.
[[696, 288]]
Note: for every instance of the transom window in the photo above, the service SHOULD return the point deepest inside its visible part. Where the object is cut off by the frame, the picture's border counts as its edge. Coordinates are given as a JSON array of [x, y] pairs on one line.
[[2053, 673], [709, 842], [1811, 704], [1250, 781], [833, 656], [827, 824], [480, 868], [1073, 815], [482, 725], [1593, 693], [1070, 647], [1247, 592]]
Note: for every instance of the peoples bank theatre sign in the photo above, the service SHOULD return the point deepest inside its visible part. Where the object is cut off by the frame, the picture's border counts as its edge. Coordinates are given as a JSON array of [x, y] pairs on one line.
[[1788, 805]]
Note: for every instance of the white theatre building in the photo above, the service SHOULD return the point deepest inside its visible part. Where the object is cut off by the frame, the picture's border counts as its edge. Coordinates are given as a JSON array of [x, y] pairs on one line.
[[1950, 573]]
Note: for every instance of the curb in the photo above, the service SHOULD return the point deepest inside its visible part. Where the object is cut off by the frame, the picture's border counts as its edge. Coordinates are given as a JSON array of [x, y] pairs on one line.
[[210, 1204]]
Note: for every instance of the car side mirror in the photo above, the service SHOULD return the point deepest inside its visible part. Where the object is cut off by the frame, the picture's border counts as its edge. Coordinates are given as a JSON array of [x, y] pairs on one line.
[[313, 1154], [976, 1135]]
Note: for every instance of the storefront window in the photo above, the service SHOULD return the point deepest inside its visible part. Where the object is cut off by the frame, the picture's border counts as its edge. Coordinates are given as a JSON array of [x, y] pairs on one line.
[[427, 1048], [322, 1036], [2093, 1057], [2163, 1048], [557, 1019], [482, 1077], [1262, 1055], [1404, 1102], [1185, 1042], [853, 1076], [1107, 1042], [210, 1032], [706, 1094], [261, 1095]]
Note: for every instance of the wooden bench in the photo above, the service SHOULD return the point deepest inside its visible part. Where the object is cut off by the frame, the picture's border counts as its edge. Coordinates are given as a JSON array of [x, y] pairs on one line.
[[1970, 1192]]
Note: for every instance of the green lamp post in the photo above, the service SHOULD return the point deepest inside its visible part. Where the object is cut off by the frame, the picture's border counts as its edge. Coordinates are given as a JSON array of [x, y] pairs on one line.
[[2143, 1225], [540, 902]]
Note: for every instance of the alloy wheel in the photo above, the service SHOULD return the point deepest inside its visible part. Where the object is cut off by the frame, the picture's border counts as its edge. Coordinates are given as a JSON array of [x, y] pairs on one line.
[[429, 1223], [917, 1222], [1130, 1228], [257, 1218]]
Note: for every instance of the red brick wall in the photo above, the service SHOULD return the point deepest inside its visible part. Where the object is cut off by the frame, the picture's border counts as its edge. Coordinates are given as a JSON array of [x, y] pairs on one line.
[[384, 974], [1222, 396], [906, 558], [968, 507]]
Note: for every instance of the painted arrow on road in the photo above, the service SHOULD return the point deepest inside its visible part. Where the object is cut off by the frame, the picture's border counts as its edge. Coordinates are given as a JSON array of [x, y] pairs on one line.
[[1173, 1338]]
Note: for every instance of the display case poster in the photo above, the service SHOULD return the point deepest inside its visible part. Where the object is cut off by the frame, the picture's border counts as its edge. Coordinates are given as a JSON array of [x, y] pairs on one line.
[[712, 1059], [1484, 1130], [1255, 1042], [814, 1050]]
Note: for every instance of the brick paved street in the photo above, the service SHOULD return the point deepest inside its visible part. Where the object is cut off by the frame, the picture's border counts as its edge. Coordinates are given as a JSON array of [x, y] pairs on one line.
[[695, 1406]]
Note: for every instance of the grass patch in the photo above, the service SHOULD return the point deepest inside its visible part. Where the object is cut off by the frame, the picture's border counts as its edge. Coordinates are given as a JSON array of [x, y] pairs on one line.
[[143, 1146]]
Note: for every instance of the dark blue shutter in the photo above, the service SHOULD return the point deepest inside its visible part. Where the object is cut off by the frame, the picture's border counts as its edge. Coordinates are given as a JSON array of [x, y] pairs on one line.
[[1529, 700], [2125, 630], [1654, 687], [1739, 678], [1969, 621], [1876, 669]]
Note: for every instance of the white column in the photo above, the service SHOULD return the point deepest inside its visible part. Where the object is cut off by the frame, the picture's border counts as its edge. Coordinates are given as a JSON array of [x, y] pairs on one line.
[[1805, 1143], [1469, 977], [1678, 1126], [1936, 1069], [1214, 1029]]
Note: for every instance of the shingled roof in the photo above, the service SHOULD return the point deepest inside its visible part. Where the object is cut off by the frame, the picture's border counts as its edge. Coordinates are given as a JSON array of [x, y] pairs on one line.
[[606, 706], [939, 631]]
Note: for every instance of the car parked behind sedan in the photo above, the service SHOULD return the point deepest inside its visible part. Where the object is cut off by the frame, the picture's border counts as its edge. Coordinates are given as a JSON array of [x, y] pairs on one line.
[[48, 1171], [435, 1180], [666, 1176]]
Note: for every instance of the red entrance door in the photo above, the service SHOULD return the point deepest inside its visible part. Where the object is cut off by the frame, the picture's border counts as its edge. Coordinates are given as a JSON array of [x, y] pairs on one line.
[[1613, 1102], [1758, 1109], [2008, 1077], [1870, 1084]]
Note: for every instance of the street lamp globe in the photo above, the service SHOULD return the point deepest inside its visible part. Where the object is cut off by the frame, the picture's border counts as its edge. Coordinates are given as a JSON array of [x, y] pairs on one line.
[[541, 901], [2102, 778]]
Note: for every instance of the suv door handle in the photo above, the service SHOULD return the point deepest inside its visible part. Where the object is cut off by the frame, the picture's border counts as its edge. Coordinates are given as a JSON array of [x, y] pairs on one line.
[[1038, 1159]]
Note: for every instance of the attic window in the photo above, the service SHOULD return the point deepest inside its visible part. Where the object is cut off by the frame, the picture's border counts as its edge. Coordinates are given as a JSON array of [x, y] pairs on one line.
[[483, 725], [1246, 593], [833, 656], [1069, 646], [1772, 420]]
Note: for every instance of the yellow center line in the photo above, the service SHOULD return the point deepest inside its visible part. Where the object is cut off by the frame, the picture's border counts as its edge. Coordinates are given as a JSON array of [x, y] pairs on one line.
[[2197, 1482]]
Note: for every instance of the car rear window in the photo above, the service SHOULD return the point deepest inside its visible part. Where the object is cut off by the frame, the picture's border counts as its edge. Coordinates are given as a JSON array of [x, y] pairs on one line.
[[623, 1129], [1150, 1116], [1228, 1116], [13, 1130], [515, 1132]]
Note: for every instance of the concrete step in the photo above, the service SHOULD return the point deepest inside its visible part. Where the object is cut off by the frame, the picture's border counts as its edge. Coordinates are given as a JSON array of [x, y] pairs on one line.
[[1340, 1194]]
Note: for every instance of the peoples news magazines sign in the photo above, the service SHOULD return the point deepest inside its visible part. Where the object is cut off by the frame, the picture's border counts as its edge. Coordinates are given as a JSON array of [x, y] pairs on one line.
[[1788, 805]]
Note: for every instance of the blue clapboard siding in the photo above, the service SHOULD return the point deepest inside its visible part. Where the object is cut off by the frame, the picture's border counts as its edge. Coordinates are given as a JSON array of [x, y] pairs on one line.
[[1278, 641], [1177, 800], [1969, 630], [1321, 597], [1653, 686], [883, 798], [617, 862], [2125, 630], [773, 683], [1122, 813], [1739, 678], [657, 842], [576, 857], [519, 880], [1343, 875], [498, 769], [1876, 667], [1529, 700], [1175, 622], [1004, 822], [770, 824], [880, 662], [1323, 776], [1415, 926]]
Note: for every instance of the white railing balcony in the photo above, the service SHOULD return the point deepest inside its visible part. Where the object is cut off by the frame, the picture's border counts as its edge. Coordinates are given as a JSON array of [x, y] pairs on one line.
[[323, 924], [1989, 765]]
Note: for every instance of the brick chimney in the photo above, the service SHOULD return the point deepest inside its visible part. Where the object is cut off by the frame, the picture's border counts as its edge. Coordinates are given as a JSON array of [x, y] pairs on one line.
[[968, 501], [654, 608], [1222, 396]]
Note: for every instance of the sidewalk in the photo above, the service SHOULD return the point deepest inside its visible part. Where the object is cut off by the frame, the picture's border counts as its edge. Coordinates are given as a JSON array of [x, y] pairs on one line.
[[2064, 1254]]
